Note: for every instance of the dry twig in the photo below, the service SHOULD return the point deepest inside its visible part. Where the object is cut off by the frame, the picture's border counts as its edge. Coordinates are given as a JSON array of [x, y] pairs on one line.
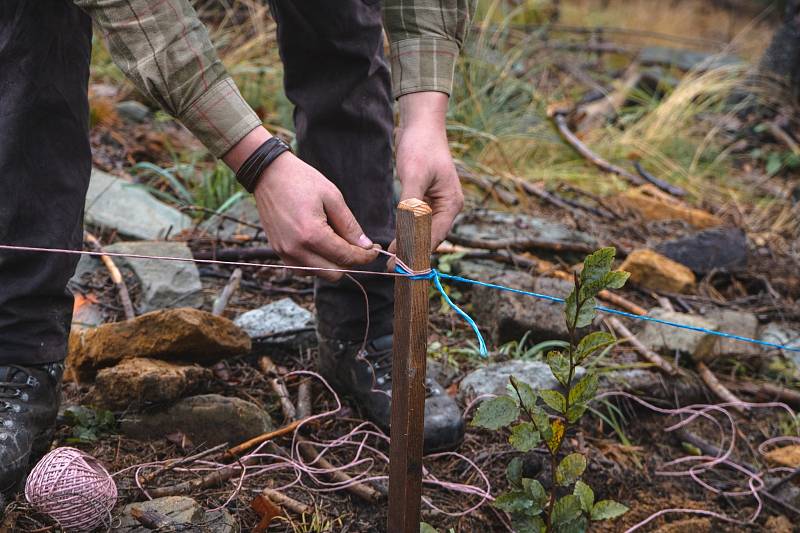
[[643, 350], [718, 388], [230, 288], [116, 275]]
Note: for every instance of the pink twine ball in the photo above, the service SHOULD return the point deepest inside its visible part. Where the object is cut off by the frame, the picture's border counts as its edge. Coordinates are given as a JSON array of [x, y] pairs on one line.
[[72, 488]]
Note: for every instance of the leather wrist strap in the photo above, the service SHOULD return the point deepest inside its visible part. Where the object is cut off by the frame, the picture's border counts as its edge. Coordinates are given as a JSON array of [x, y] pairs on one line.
[[259, 160]]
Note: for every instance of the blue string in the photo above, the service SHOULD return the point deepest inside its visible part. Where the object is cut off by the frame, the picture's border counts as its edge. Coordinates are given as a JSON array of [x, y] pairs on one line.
[[436, 276]]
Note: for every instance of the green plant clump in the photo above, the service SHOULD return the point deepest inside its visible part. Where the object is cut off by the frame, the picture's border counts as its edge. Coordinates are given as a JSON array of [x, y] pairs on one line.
[[570, 505]]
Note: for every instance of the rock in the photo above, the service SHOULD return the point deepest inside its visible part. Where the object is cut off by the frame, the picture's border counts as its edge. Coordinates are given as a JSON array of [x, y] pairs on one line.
[[723, 249], [185, 334], [224, 227], [739, 323], [652, 204], [208, 419], [493, 378], [507, 316], [783, 335], [183, 513], [685, 59], [653, 271], [134, 383], [280, 324], [480, 269], [784, 456], [133, 111], [496, 226], [164, 284], [129, 209], [779, 523], [668, 340]]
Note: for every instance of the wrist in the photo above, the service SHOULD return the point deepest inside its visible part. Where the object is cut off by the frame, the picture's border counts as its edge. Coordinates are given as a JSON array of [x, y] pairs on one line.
[[423, 110], [237, 155]]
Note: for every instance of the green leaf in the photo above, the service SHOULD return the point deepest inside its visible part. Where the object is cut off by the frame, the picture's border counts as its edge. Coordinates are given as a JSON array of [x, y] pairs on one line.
[[536, 493], [570, 469], [575, 411], [542, 421], [566, 510], [592, 343], [554, 399], [774, 163], [585, 494], [528, 524], [584, 318], [496, 413], [559, 365], [616, 279], [557, 430], [584, 390], [514, 501], [514, 473], [578, 525], [524, 437], [597, 264], [427, 528], [608, 509], [526, 393]]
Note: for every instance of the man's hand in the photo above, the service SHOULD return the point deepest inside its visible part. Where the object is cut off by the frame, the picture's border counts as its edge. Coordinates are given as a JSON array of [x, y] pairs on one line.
[[304, 215], [424, 165]]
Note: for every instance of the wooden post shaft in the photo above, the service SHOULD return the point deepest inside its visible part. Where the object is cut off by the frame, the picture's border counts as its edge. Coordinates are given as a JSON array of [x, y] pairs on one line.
[[408, 372]]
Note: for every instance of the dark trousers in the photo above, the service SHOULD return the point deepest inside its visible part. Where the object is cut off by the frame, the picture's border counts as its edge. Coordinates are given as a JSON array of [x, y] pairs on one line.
[[336, 76]]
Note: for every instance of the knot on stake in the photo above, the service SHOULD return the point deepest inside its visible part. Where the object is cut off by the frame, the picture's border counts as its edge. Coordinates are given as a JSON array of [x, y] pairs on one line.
[[435, 276]]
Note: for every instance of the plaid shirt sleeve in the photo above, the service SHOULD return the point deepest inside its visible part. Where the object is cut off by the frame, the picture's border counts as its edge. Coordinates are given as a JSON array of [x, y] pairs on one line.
[[426, 37], [165, 50]]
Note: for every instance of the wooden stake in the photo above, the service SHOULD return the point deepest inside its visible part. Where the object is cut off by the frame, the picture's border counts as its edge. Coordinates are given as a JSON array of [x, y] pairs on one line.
[[408, 372]]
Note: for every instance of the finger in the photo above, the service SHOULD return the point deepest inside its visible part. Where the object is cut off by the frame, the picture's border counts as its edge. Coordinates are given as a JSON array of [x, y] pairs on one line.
[[331, 247], [441, 223], [390, 264], [343, 222]]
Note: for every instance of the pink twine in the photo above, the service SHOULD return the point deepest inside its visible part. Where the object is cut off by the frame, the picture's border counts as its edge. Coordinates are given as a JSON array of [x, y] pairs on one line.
[[73, 489]]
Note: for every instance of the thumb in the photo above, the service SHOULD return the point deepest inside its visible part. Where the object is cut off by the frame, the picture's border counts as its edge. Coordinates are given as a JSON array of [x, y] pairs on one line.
[[343, 222]]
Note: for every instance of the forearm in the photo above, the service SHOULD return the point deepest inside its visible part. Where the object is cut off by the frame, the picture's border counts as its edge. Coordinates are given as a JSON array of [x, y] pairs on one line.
[[164, 49]]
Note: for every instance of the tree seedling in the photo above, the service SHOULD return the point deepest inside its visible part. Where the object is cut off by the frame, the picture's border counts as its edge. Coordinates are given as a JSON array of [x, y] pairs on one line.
[[569, 506]]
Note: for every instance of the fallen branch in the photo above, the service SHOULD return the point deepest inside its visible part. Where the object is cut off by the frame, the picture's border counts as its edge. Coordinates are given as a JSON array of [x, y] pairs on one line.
[[557, 200], [230, 288], [365, 492], [147, 478], [283, 500], [304, 399], [718, 388], [669, 188], [212, 479], [490, 185], [766, 391], [643, 350], [595, 113], [237, 254], [237, 450], [559, 117], [116, 275], [782, 135], [524, 243], [271, 371]]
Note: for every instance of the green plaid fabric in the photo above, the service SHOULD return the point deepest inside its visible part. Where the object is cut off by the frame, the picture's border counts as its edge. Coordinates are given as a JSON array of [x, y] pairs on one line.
[[162, 46]]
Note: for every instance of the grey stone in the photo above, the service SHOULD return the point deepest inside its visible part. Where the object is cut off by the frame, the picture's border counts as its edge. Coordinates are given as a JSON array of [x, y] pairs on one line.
[[685, 59], [208, 419], [224, 227], [668, 339], [493, 378], [133, 111], [508, 317], [497, 226], [739, 323], [722, 249], [180, 513], [480, 269], [164, 284], [785, 336], [115, 203], [282, 324]]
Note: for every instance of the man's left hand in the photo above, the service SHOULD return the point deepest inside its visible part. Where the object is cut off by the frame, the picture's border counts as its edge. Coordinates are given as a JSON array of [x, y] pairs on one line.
[[424, 165]]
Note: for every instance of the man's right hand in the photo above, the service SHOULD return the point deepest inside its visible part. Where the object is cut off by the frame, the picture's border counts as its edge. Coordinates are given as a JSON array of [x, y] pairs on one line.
[[305, 217]]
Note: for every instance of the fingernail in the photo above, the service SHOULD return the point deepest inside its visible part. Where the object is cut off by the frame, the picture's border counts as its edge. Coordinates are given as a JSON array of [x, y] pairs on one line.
[[364, 242]]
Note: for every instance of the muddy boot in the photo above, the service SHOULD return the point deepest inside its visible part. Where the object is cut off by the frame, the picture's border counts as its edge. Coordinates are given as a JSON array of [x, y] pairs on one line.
[[29, 398], [366, 378]]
